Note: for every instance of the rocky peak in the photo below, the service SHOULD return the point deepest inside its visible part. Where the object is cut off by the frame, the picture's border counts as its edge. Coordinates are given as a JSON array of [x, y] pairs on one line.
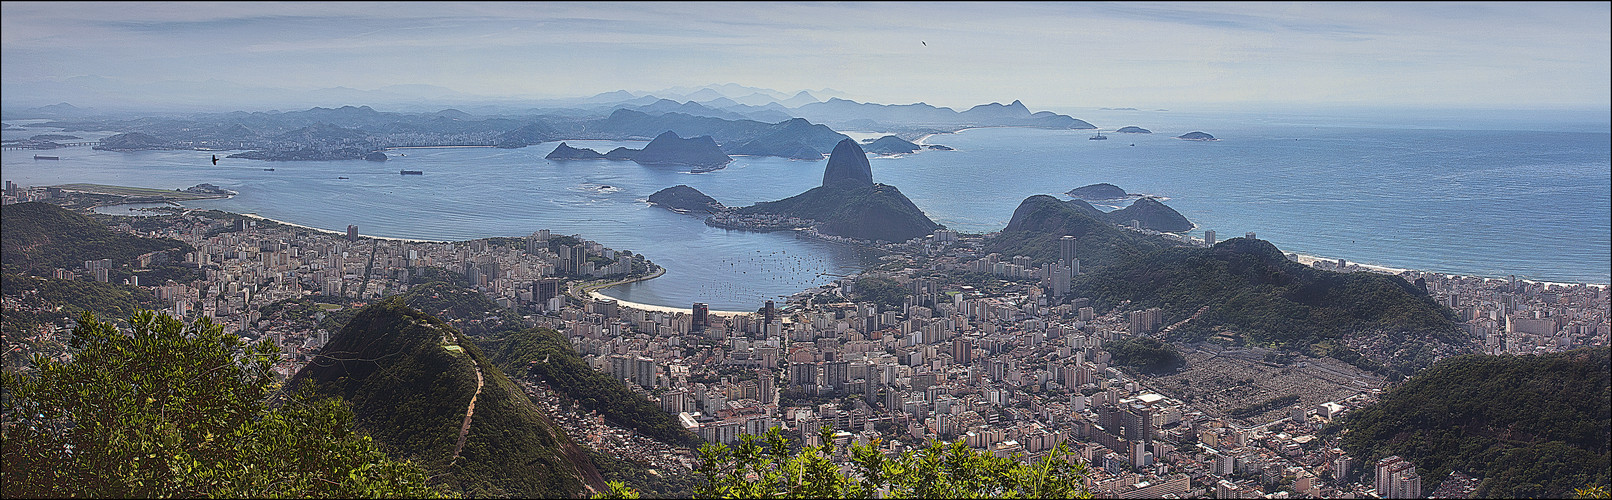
[[848, 166]]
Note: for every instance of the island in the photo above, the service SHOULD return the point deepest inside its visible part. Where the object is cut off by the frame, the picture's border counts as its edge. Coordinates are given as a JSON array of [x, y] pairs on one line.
[[684, 199], [891, 145], [565, 152], [938, 147], [1196, 136], [1099, 191], [701, 153], [848, 205], [1133, 130], [375, 156], [132, 141]]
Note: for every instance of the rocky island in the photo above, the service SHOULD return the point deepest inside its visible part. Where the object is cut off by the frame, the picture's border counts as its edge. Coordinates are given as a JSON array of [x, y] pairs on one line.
[[848, 204], [1099, 191], [681, 198], [1196, 136], [1133, 130], [701, 153], [891, 145], [564, 152]]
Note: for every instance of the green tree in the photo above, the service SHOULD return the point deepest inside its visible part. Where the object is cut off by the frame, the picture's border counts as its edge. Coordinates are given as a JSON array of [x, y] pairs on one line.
[[176, 410], [762, 467]]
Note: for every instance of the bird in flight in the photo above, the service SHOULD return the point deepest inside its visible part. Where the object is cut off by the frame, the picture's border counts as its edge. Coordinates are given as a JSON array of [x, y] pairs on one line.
[[926, 44], [215, 159]]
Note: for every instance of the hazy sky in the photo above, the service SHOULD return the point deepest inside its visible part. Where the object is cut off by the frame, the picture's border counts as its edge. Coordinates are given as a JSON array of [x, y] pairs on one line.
[[1489, 55]]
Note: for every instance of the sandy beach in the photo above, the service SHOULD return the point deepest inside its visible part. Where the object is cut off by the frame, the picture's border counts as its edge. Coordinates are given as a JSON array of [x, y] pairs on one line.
[[340, 233]]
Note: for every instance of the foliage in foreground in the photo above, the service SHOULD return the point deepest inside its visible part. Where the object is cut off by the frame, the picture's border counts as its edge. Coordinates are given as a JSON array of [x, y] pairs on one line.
[[176, 410], [762, 467]]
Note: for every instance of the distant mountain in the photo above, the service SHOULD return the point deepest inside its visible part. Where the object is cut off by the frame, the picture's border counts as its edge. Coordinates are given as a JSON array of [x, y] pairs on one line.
[[40, 237], [132, 141], [841, 112], [684, 198], [532, 133], [1153, 215], [800, 99], [564, 152], [890, 145], [1532, 426], [741, 137], [1099, 191], [1196, 136], [410, 379], [849, 204]]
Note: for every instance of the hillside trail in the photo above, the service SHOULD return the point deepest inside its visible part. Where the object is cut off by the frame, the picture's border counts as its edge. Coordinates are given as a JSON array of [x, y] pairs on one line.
[[464, 429]]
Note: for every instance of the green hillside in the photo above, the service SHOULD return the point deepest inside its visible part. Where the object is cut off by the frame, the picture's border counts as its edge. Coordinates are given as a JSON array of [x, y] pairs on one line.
[[1040, 221], [1529, 426], [1251, 289], [869, 212], [410, 378], [547, 355], [39, 237]]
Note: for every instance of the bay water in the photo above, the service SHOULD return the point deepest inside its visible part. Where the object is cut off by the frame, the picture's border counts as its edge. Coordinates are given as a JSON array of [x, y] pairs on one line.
[[1490, 198]]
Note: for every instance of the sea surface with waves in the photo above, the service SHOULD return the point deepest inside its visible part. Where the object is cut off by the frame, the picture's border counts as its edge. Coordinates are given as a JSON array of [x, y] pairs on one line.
[[1468, 195]]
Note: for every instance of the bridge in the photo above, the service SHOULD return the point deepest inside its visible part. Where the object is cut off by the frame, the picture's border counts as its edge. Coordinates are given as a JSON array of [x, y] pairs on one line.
[[43, 147]]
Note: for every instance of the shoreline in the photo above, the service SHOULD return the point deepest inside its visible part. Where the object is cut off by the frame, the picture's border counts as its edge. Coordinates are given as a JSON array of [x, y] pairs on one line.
[[338, 233], [1310, 260]]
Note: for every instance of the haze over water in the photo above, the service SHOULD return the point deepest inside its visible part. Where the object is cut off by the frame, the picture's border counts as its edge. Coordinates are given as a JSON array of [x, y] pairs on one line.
[[1483, 202]]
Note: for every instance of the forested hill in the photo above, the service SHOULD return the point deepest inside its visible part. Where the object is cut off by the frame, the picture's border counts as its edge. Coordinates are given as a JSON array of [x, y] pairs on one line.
[[1040, 221], [40, 236], [548, 356], [1529, 426], [1252, 290], [410, 378]]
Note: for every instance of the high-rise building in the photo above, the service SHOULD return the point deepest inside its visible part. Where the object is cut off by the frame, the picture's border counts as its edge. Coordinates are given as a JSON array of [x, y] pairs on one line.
[[1397, 478], [352, 232], [769, 313], [545, 289], [701, 316], [1250, 235], [1066, 249], [1209, 237]]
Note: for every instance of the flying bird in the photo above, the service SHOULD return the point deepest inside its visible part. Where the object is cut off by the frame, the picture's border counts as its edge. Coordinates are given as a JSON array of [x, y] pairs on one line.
[[215, 159], [926, 44]]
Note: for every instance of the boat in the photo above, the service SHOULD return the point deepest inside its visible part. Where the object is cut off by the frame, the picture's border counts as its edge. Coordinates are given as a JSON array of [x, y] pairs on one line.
[[1098, 137], [268, 170], [39, 157], [411, 172], [341, 177]]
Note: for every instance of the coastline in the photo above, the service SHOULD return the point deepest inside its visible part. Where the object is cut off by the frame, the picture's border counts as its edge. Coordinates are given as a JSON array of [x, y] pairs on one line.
[[339, 233], [1310, 260]]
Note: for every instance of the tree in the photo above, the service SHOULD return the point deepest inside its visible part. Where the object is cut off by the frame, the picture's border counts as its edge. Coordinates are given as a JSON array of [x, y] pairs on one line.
[[176, 410], [762, 467]]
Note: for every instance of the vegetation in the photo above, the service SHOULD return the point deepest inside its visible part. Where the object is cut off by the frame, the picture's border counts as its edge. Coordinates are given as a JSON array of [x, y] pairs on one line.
[[1531, 426], [1252, 289], [410, 378], [764, 468], [546, 354], [642, 480], [180, 410], [466, 309], [40, 237], [872, 212], [1041, 221], [882, 291], [1145, 355]]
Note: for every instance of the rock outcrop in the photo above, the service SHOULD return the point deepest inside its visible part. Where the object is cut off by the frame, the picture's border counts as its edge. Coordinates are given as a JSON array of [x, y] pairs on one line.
[[848, 166]]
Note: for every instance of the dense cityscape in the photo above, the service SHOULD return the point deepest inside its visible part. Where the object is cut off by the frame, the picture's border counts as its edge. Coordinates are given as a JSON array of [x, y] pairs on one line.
[[1003, 371]]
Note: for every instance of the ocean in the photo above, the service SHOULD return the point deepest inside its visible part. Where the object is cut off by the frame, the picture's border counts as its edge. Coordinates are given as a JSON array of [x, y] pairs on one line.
[[1459, 195]]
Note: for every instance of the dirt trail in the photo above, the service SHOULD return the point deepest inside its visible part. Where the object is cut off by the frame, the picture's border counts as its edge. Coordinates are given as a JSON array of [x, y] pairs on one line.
[[464, 429]]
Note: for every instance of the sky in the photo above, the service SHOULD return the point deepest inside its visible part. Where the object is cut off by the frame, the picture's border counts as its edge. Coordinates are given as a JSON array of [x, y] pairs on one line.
[[1513, 55]]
